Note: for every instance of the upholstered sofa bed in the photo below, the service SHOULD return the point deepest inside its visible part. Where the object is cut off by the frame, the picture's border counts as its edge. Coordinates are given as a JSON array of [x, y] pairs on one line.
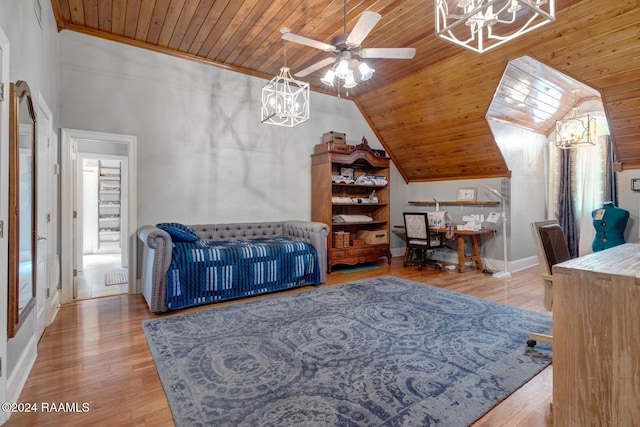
[[183, 266]]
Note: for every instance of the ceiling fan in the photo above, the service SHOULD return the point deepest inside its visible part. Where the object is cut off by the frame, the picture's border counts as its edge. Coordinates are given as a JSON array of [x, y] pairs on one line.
[[345, 47]]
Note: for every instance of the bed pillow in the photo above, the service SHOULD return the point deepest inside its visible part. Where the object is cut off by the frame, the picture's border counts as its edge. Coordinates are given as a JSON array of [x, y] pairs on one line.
[[178, 232]]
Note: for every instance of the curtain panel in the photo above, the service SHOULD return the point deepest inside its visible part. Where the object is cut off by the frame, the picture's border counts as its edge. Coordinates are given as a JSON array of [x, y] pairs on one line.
[[580, 180], [610, 179]]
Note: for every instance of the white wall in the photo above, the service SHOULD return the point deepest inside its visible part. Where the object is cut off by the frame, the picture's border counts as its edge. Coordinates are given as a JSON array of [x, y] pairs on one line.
[[4, 201], [33, 58], [525, 154], [203, 155], [88, 198], [630, 201], [34, 48]]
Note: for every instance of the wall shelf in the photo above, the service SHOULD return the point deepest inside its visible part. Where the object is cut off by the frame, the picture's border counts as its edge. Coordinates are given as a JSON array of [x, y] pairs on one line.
[[346, 224], [360, 204], [454, 202]]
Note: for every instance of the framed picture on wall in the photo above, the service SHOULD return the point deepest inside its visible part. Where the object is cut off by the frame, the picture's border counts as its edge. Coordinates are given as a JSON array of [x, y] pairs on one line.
[[466, 194]]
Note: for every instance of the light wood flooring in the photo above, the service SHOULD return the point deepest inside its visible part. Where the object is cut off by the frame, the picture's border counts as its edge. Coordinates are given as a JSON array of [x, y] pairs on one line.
[[95, 352]]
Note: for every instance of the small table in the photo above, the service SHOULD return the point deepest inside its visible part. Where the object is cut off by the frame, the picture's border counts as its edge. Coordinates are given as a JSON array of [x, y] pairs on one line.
[[460, 238]]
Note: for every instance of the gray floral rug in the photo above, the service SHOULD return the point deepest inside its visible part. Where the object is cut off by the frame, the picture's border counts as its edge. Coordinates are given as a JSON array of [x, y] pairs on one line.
[[377, 352]]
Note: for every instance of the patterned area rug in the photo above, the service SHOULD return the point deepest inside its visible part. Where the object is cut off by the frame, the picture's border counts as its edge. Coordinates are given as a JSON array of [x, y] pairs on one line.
[[116, 277], [381, 351]]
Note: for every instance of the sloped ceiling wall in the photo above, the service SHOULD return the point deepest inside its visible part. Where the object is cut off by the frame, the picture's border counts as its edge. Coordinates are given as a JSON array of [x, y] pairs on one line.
[[433, 122]]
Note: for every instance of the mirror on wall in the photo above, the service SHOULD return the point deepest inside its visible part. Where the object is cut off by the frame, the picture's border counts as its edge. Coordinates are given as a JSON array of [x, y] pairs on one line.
[[22, 206]]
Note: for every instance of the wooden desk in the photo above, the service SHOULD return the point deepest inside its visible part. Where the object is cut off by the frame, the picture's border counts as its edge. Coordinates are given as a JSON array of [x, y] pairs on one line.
[[596, 339], [460, 236]]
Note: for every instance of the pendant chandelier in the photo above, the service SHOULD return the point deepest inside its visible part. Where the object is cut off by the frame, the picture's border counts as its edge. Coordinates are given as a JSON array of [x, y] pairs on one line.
[[481, 25], [577, 129], [285, 101]]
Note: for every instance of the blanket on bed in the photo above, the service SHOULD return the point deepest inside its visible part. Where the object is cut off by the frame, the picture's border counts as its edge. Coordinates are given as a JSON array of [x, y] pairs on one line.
[[206, 271]]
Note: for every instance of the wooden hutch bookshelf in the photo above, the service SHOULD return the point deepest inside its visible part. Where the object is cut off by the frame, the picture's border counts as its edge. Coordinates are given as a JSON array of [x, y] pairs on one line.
[[363, 161]]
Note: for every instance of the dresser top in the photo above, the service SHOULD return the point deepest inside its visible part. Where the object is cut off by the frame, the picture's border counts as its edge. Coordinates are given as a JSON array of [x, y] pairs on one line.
[[622, 260]]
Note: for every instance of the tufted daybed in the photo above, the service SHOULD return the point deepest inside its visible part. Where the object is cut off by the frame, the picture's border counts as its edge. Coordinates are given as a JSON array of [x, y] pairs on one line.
[[158, 251]]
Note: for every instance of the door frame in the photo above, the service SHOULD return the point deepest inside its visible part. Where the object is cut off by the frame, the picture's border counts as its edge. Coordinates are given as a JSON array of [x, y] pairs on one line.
[[69, 142]]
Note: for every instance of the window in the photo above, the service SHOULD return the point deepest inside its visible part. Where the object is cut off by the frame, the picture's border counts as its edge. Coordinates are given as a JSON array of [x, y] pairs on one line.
[[587, 181]]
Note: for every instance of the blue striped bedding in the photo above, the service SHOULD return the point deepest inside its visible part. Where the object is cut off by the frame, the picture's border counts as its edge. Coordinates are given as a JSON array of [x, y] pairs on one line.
[[206, 271]]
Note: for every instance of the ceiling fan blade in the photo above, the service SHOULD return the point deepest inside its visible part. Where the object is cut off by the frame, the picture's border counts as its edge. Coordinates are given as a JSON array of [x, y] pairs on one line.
[[390, 52], [315, 67], [363, 27], [308, 42]]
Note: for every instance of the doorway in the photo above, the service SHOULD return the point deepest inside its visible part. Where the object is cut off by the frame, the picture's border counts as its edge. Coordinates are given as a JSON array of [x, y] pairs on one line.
[[100, 238], [99, 189]]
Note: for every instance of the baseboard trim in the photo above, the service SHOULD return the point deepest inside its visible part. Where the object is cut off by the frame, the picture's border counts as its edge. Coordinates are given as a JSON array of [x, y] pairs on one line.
[[18, 377], [452, 257], [524, 263]]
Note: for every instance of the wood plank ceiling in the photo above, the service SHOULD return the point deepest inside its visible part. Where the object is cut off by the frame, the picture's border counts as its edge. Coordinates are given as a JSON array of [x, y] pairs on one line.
[[429, 112], [535, 96]]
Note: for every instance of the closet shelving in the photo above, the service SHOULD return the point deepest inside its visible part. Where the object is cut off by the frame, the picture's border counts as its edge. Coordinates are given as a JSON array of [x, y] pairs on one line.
[[109, 203]]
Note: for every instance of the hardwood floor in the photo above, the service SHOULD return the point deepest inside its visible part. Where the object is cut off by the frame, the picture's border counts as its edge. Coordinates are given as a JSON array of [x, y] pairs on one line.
[[95, 352]]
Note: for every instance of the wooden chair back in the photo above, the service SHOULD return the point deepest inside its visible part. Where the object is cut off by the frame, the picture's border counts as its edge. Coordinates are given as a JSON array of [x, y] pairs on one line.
[[416, 225], [552, 248]]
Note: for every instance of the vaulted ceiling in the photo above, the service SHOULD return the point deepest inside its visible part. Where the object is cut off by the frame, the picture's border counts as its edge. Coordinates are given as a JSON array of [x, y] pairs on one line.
[[428, 112], [534, 96]]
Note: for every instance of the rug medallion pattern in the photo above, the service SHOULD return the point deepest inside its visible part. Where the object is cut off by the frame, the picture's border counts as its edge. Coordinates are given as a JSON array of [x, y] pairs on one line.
[[381, 351]]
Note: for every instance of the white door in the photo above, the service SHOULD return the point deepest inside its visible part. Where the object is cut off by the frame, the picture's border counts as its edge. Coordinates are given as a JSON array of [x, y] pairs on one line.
[[44, 178], [53, 302], [76, 229]]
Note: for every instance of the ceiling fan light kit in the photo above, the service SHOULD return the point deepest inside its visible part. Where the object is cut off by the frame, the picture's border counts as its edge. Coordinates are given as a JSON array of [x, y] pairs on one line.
[[365, 71], [329, 78], [481, 25], [342, 70], [346, 69], [351, 71], [349, 81]]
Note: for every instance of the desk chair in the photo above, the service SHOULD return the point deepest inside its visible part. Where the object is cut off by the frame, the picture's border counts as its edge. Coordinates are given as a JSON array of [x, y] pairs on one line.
[[552, 249], [420, 239]]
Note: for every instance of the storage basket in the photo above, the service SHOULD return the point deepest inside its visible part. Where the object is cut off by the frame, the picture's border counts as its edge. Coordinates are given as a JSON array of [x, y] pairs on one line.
[[340, 239], [333, 148], [335, 137], [373, 237]]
